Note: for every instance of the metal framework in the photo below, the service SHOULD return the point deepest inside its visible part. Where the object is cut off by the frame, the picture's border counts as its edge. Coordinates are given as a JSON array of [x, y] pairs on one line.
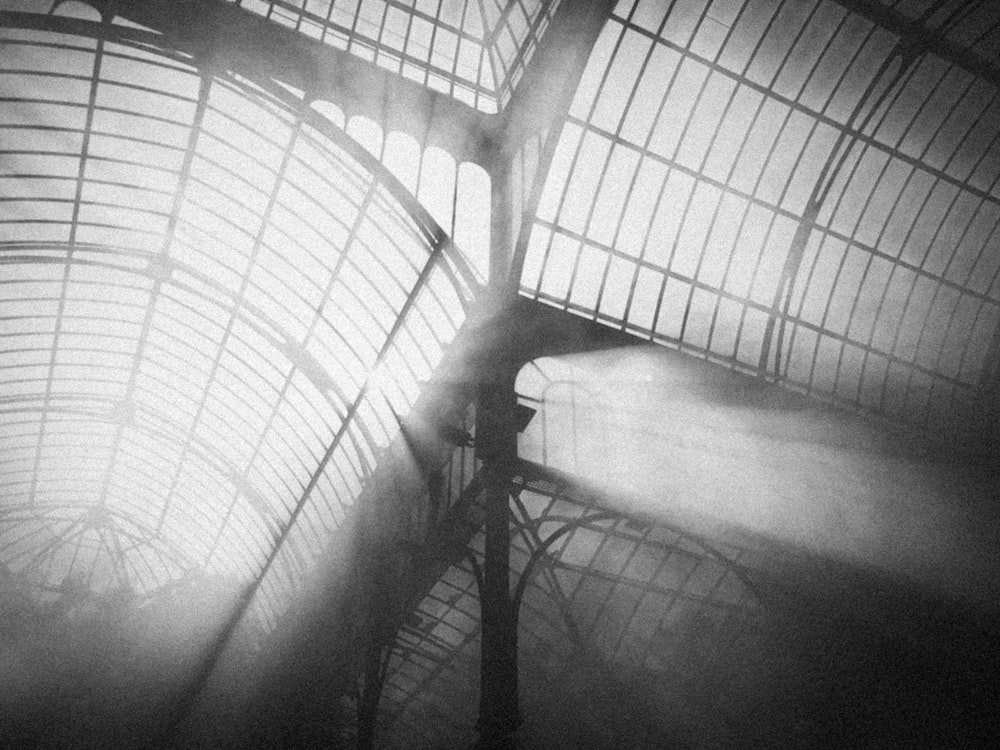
[[242, 241], [609, 586], [790, 189], [205, 279], [474, 52]]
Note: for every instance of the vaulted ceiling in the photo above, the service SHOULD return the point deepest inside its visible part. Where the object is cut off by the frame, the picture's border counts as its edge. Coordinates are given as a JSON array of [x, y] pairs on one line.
[[226, 277]]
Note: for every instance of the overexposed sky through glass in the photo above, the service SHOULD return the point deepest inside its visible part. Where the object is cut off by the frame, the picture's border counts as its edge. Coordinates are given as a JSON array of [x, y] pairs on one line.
[[201, 304], [770, 187]]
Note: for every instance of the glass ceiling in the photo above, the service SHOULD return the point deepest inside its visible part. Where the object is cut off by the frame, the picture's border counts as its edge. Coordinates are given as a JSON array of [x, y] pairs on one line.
[[213, 290], [786, 188], [210, 297], [474, 51]]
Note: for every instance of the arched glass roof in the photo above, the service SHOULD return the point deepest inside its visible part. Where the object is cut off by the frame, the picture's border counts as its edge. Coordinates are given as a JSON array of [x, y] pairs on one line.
[[225, 281], [210, 298], [793, 189], [473, 51]]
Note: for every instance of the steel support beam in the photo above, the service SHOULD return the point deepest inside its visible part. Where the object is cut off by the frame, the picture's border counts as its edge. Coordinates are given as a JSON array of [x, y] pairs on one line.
[[376, 666], [543, 96], [496, 447], [542, 102]]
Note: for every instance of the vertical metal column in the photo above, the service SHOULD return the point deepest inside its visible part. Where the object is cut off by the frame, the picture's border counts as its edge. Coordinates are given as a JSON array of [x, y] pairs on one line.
[[368, 700], [496, 445]]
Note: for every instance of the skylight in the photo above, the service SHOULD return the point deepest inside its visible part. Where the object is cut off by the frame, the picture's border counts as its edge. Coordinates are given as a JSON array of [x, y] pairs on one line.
[[782, 188], [211, 297], [475, 52]]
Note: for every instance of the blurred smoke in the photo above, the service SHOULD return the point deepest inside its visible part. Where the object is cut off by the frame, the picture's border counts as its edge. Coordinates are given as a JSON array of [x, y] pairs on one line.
[[667, 439]]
